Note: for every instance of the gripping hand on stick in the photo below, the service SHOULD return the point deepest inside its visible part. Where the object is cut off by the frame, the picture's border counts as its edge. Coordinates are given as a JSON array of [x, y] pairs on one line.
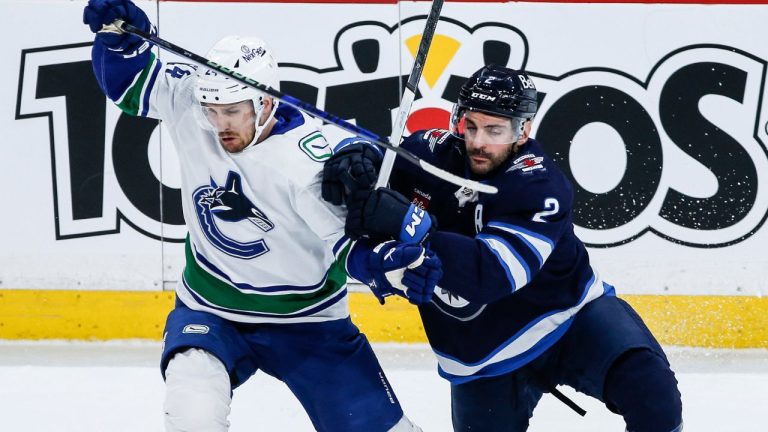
[[385, 213], [354, 166], [100, 13]]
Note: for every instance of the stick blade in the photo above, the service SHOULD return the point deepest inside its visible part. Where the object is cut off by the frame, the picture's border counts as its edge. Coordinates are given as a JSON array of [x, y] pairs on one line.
[[458, 181]]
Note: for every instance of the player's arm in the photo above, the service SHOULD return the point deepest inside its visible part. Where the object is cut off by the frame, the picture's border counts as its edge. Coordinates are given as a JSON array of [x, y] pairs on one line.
[[348, 178], [125, 67], [355, 163], [408, 270], [118, 59], [505, 256], [394, 268], [354, 166]]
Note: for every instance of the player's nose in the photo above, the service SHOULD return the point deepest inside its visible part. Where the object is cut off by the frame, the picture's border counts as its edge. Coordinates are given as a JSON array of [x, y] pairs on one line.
[[223, 123], [479, 141]]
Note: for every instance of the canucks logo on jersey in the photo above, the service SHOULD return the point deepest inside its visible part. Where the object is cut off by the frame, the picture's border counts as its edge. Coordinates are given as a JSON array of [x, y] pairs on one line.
[[229, 204]]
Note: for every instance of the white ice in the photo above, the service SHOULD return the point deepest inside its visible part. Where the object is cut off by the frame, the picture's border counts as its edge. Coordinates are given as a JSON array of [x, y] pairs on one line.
[[116, 386]]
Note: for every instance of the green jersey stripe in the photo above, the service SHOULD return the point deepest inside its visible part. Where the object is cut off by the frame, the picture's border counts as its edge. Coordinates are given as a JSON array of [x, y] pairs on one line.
[[130, 102], [225, 295]]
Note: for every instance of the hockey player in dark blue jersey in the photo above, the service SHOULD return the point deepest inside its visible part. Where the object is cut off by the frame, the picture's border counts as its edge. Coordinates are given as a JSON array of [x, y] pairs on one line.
[[519, 308]]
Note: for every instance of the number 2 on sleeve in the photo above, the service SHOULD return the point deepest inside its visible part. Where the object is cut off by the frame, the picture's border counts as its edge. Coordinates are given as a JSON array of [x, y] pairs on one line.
[[551, 206]]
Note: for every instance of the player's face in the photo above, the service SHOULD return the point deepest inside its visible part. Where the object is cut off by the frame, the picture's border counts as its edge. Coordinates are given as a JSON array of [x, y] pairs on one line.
[[489, 140], [234, 123]]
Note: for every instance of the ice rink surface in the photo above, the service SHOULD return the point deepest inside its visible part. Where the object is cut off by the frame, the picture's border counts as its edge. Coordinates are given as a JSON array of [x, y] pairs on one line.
[[116, 386]]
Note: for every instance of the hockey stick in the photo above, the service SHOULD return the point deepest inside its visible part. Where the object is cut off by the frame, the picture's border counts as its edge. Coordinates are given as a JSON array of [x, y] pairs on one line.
[[119, 26], [409, 93], [568, 401]]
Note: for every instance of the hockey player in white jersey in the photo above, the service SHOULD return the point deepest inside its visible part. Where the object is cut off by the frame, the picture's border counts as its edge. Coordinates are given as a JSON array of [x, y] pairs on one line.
[[264, 286]]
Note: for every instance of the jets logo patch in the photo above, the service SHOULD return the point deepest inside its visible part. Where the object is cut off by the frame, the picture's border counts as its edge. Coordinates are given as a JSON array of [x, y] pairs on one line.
[[435, 137], [455, 306], [527, 163]]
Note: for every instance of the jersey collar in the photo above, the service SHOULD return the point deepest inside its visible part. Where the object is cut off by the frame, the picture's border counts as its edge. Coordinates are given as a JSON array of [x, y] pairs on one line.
[[288, 118]]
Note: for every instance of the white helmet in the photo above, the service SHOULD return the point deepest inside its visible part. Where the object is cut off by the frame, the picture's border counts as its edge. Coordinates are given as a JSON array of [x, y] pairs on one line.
[[249, 56]]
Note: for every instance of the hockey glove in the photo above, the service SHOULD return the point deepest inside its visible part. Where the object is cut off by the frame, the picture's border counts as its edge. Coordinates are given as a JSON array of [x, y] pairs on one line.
[[409, 271], [353, 167], [385, 213], [101, 12]]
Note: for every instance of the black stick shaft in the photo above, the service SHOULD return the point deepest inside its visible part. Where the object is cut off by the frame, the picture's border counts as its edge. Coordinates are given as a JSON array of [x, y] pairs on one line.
[[570, 403], [306, 107], [426, 42], [409, 93]]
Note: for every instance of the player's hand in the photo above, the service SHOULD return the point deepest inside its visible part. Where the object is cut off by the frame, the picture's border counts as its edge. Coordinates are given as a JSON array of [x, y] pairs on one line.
[[385, 213], [353, 167], [406, 270], [103, 12]]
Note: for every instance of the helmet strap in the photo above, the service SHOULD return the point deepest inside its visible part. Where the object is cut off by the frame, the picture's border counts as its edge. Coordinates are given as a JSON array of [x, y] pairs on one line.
[[259, 128]]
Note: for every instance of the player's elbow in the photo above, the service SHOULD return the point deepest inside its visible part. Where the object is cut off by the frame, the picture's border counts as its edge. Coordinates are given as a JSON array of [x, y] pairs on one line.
[[483, 294]]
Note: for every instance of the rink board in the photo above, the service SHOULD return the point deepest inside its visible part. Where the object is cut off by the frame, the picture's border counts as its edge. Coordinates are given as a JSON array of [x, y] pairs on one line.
[[698, 321], [655, 111]]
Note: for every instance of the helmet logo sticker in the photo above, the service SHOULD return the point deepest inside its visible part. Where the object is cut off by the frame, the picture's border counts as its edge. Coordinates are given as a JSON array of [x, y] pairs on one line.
[[485, 96], [526, 82], [251, 53]]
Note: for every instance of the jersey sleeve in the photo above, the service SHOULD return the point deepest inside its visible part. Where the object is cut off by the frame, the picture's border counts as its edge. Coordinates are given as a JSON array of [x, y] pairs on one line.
[[323, 218], [520, 232], [434, 146], [140, 84]]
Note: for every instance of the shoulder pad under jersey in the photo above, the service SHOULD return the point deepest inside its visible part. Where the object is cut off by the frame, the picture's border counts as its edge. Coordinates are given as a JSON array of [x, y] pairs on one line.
[[435, 140]]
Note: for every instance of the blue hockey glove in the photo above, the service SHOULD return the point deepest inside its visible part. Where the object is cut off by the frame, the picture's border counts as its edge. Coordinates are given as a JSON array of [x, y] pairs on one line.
[[353, 167], [385, 213], [409, 271], [101, 12]]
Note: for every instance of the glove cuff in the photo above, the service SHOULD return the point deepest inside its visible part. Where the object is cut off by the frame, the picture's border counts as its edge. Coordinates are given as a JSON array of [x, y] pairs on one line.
[[417, 225]]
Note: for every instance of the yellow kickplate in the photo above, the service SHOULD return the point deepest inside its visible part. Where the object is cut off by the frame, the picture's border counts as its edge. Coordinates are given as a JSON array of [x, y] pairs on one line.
[[701, 321], [86, 315], [705, 321]]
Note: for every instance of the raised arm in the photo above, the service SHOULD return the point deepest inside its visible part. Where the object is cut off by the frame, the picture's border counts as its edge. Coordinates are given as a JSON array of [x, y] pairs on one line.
[[118, 59]]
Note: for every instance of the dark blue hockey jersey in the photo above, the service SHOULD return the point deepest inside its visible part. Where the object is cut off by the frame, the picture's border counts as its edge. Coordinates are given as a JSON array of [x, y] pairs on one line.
[[515, 274]]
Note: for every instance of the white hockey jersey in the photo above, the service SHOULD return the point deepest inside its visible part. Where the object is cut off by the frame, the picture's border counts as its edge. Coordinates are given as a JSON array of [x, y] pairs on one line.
[[263, 246]]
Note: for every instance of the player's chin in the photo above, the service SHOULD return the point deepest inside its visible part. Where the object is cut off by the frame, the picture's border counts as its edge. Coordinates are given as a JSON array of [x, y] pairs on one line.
[[480, 167], [231, 145]]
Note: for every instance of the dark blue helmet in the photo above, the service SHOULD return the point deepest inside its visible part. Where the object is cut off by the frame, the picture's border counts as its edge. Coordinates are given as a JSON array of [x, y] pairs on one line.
[[498, 91], [501, 91]]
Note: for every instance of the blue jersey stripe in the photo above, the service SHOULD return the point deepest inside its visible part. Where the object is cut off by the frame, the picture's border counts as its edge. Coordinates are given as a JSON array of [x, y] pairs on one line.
[[276, 289], [518, 271], [525, 345], [148, 89], [332, 300], [540, 245], [340, 245], [513, 363]]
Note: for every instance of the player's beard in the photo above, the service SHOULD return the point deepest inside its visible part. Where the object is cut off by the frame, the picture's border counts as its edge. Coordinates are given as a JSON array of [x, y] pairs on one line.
[[492, 160], [232, 142]]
